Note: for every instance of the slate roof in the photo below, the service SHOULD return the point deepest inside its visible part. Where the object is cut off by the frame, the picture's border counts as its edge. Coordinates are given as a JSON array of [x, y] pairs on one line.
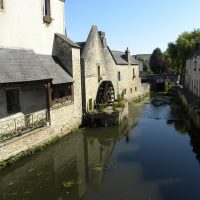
[[120, 58], [66, 39], [19, 65], [53, 67]]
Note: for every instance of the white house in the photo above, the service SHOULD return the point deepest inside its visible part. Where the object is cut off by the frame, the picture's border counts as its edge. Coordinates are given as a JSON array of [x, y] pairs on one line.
[[40, 68], [192, 74]]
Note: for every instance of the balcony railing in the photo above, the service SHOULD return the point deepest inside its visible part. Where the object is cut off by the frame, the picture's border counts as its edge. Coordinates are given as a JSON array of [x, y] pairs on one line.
[[20, 125]]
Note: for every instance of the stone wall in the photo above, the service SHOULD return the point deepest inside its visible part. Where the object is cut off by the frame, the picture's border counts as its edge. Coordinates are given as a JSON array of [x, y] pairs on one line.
[[93, 56], [192, 109]]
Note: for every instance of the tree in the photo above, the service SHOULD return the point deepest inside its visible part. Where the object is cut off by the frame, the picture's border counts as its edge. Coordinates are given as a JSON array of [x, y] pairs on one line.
[[156, 61], [179, 51]]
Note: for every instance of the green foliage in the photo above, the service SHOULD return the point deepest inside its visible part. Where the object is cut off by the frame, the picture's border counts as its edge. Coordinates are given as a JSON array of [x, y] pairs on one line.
[[90, 104], [179, 51], [120, 97], [158, 62], [145, 68], [140, 59], [100, 108], [168, 87], [121, 105], [114, 106]]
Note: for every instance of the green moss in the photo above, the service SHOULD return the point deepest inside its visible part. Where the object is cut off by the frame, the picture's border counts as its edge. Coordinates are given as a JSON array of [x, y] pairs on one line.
[[29, 152]]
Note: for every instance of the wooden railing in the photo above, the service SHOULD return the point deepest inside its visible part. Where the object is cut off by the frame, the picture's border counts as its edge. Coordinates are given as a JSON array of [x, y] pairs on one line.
[[20, 125]]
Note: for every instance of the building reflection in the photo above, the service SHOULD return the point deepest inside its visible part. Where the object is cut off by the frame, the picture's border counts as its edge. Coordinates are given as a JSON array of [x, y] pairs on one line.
[[62, 171], [99, 145], [195, 142], [43, 176]]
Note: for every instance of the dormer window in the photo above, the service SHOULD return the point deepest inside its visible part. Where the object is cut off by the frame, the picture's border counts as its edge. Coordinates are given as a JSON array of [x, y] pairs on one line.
[[47, 12], [1, 5]]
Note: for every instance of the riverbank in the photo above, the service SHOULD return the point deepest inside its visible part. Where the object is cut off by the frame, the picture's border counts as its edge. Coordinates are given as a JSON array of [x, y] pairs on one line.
[[26, 145], [151, 155], [191, 104]]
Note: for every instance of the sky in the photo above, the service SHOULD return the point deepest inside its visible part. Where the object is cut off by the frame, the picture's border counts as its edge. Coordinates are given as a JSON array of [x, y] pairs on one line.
[[140, 25]]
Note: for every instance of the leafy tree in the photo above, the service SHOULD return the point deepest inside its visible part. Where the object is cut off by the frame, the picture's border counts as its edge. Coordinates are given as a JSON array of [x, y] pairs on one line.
[[156, 61], [179, 51]]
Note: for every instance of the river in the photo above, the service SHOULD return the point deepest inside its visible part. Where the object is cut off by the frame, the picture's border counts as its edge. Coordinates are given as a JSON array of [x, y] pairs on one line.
[[152, 155]]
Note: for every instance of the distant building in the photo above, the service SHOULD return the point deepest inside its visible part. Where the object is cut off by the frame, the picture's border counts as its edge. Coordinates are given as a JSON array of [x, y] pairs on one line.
[[107, 73]]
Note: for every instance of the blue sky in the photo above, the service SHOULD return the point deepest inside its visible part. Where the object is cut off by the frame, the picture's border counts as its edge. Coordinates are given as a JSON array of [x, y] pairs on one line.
[[141, 25]]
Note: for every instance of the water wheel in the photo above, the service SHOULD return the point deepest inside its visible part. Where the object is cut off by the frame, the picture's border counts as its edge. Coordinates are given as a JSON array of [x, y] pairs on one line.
[[105, 94]]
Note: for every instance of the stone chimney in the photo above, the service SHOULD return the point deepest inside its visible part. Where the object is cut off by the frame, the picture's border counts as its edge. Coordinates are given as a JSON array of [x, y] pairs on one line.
[[128, 55], [103, 39]]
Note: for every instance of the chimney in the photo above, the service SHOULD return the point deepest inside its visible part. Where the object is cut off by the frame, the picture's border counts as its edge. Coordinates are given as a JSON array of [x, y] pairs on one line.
[[103, 39], [128, 55]]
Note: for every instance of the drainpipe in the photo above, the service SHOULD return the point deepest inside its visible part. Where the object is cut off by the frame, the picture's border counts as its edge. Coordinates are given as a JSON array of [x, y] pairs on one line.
[[83, 86]]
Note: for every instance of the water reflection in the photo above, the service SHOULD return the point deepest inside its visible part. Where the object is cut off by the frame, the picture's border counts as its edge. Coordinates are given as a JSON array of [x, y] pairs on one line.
[[62, 171], [143, 158], [42, 176]]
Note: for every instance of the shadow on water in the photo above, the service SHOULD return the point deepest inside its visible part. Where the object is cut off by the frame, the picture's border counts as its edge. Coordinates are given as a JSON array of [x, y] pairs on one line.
[[147, 157]]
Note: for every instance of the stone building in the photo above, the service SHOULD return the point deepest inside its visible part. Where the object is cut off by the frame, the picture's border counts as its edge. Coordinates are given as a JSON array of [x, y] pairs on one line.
[[40, 68], [192, 74], [107, 73]]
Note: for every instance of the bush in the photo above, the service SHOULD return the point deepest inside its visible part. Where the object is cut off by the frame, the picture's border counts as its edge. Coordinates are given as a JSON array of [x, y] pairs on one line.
[[114, 106], [120, 97], [168, 87], [101, 108], [121, 105]]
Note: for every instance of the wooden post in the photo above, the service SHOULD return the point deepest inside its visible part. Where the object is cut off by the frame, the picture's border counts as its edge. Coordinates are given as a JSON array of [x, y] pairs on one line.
[[48, 100], [72, 91]]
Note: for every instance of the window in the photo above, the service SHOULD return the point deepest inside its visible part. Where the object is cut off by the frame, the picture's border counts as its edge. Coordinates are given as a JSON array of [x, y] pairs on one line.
[[12, 98], [62, 92], [135, 88], [133, 73], [124, 91], [47, 10], [1, 4], [131, 90], [98, 71], [119, 76]]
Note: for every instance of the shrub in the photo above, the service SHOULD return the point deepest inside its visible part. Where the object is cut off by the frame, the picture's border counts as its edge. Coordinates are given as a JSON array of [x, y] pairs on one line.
[[121, 105], [114, 106], [101, 108]]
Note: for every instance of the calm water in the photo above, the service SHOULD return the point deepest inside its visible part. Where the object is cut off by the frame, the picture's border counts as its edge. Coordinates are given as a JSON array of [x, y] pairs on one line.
[[150, 156]]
